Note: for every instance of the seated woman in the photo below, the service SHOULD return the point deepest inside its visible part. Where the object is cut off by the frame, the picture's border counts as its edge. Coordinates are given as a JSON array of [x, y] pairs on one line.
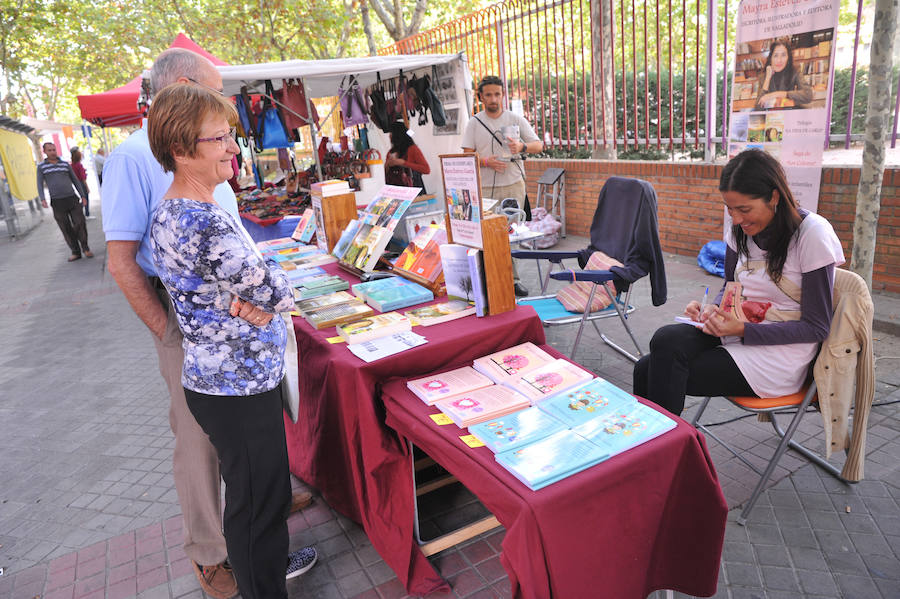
[[232, 366], [405, 163], [782, 80], [775, 250]]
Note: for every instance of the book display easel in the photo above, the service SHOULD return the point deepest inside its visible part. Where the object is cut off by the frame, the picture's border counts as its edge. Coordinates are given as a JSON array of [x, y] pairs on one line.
[[467, 226]]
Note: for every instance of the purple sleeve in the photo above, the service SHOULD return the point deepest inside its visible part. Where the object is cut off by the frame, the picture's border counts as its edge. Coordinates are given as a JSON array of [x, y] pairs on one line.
[[730, 265], [815, 314]]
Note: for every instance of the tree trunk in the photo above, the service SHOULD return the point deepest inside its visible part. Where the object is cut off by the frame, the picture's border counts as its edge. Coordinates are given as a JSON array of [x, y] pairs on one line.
[[878, 120], [367, 27], [604, 81]]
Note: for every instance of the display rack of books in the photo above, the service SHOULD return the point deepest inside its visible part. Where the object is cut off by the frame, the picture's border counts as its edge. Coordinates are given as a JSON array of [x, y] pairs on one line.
[[334, 205], [420, 261]]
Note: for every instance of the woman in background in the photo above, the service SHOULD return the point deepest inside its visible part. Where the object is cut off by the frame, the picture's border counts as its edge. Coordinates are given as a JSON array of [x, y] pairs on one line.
[[81, 175], [775, 250], [781, 80], [404, 154]]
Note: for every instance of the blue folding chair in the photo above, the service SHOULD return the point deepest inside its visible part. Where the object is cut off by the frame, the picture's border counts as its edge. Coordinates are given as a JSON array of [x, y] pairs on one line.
[[624, 227]]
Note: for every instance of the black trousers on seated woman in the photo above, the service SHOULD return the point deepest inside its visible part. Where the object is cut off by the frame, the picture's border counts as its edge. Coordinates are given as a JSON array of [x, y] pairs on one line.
[[683, 360], [248, 434]]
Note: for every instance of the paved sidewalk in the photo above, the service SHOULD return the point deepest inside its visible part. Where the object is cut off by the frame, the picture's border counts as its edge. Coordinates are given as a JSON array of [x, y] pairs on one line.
[[88, 507]]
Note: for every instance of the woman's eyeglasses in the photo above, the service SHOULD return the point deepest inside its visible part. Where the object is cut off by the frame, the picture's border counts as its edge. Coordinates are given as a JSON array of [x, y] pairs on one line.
[[222, 140]]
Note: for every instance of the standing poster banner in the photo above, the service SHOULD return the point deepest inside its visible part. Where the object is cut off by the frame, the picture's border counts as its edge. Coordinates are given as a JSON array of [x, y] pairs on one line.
[[782, 78], [18, 164], [462, 196]]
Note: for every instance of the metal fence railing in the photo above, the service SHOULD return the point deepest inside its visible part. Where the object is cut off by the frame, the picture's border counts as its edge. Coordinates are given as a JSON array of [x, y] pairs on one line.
[[614, 74]]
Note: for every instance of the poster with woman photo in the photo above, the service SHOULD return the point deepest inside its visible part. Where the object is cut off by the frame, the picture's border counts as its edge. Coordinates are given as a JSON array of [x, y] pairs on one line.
[[782, 81]]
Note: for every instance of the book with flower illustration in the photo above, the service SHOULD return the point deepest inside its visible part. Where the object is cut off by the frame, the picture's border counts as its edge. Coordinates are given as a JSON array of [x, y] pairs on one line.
[[516, 429], [625, 428], [373, 327], [589, 401], [481, 404], [436, 387], [510, 364], [551, 378], [551, 459]]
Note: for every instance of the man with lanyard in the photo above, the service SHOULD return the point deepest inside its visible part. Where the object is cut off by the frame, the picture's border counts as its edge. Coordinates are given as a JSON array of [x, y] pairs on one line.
[[66, 198], [134, 182], [501, 138]]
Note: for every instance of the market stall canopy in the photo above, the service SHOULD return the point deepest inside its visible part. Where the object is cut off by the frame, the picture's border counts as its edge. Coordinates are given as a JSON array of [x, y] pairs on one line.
[[119, 107], [323, 77]]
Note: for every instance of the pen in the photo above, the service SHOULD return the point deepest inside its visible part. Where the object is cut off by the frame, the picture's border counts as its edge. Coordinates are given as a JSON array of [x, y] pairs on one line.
[[705, 299]]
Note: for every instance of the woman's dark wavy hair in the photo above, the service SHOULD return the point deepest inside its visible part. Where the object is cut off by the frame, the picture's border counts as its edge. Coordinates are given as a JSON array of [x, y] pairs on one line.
[[757, 174], [400, 139], [781, 81]]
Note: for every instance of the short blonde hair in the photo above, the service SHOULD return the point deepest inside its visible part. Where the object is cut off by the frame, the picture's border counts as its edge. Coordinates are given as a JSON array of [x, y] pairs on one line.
[[175, 117]]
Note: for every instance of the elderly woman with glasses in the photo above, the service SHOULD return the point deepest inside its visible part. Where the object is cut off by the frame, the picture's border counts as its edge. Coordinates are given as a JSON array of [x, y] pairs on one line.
[[232, 367]]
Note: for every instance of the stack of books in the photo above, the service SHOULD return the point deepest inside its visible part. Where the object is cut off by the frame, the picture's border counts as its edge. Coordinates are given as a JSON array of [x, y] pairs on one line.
[[373, 327], [320, 285], [330, 187], [391, 293]]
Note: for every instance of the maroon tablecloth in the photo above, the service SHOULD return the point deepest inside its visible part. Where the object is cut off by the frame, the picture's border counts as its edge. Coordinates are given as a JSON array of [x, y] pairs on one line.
[[342, 446], [647, 519]]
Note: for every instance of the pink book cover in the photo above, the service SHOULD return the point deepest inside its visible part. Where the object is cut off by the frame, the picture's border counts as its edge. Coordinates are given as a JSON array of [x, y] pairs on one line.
[[436, 387], [482, 404], [550, 379], [512, 363]]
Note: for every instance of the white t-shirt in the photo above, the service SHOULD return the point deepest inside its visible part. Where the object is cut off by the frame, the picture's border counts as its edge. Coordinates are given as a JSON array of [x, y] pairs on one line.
[[776, 370], [479, 138]]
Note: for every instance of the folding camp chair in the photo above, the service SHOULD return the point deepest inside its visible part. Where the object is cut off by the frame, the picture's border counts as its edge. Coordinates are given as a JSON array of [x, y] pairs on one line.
[[798, 402], [625, 228]]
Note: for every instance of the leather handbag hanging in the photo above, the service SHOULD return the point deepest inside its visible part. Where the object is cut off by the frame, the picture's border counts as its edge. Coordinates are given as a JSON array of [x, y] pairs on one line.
[[292, 96], [272, 133], [378, 110], [353, 105], [438, 116]]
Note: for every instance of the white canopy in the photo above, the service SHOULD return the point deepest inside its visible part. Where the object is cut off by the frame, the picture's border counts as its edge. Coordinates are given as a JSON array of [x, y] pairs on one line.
[[323, 77]]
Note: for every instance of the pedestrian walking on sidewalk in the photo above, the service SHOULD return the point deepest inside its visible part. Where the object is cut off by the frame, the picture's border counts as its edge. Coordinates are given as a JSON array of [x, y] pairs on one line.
[[81, 175], [66, 199]]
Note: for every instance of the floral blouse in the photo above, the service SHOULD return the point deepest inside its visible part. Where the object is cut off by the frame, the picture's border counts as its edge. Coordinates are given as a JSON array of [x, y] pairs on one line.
[[204, 259]]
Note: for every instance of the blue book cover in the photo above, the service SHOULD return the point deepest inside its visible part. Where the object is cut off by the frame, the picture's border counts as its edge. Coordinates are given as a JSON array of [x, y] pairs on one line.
[[400, 296], [479, 288], [551, 459], [625, 428], [302, 274], [517, 429], [346, 237], [587, 402], [361, 290]]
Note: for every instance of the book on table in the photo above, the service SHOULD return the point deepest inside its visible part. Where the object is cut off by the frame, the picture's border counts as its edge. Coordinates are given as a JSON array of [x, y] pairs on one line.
[[589, 401], [440, 312], [330, 187], [482, 404], [337, 314], [549, 379], [312, 259], [276, 244], [347, 236], [509, 364], [367, 247], [516, 429], [625, 428], [551, 459], [287, 254], [436, 387], [317, 286], [296, 275], [306, 227], [455, 265], [391, 293], [422, 256], [479, 285], [324, 301], [373, 327]]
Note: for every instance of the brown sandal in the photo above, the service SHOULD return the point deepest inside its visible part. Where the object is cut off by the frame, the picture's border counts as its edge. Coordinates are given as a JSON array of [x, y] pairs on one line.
[[74, 257], [89, 253]]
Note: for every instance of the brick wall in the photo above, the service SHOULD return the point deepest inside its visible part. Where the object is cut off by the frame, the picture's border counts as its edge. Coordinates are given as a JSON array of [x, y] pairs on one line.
[[690, 206]]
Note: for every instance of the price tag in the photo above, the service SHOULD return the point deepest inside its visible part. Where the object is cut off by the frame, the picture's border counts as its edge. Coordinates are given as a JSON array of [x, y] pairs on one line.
[[337, 339], [441, 419], [471, 441]]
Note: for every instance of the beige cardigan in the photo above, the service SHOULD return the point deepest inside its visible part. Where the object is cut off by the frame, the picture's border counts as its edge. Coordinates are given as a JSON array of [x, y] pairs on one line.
[[845, 371]]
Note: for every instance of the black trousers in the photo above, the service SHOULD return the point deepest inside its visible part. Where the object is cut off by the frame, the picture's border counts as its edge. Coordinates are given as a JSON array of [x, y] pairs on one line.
[[70, 220], [248, 434], [685, 361]]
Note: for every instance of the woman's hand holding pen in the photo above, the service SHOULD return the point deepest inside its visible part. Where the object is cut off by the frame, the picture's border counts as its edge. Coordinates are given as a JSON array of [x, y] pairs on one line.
[[697, 312]]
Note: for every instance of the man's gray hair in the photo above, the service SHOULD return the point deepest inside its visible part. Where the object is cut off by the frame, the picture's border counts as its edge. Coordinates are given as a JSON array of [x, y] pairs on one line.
[[173, 64]]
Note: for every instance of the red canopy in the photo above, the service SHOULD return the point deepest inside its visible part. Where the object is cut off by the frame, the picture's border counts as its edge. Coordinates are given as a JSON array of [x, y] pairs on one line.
[[119, 107]]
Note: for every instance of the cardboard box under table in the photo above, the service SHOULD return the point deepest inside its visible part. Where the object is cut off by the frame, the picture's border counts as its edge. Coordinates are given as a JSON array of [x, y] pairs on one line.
[[341, 445], [650, 518]]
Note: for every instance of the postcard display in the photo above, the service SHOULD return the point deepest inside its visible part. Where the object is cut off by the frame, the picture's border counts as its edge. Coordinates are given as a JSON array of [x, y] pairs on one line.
[[466, 225], [791, 131]]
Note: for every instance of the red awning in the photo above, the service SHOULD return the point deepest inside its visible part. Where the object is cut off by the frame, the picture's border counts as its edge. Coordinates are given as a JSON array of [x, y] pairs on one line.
[[119, 107]]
